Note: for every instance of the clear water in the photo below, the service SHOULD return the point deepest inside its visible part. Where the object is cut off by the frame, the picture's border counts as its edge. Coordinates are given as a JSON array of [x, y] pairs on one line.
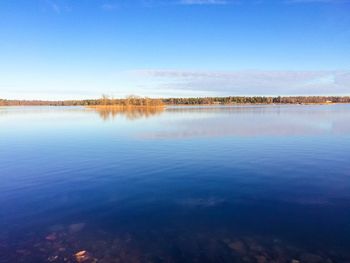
[[184, 184]]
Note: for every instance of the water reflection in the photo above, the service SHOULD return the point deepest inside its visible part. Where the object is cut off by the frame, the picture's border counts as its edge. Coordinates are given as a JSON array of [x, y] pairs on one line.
[[271, 184], [253, 121], [131, 113]]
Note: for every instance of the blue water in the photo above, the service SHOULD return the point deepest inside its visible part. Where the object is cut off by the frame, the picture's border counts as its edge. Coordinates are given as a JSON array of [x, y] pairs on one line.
[[183, 184]]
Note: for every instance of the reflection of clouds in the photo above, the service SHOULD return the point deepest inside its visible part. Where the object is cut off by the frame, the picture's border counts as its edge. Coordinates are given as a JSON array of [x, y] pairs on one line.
[[254, 121], [20, 110], [105, 112], [40, 113], [339, 127], [131, 113]]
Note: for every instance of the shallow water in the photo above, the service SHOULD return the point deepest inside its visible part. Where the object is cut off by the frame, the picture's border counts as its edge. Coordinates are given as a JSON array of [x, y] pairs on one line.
[[183, 184]]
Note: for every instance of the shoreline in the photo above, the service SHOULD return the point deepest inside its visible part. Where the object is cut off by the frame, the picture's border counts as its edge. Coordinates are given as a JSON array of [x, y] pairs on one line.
[[136, 101], [177, 105]]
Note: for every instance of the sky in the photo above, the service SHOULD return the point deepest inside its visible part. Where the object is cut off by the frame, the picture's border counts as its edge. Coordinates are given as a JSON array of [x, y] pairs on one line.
[[75, 49]]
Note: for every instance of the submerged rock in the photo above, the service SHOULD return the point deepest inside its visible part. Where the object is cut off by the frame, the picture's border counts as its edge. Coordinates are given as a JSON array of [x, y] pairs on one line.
[[51, 237], [311, 258], [75, 228], [82, 256], [52, 258], [238, 246], [77, 243], [261, 259]]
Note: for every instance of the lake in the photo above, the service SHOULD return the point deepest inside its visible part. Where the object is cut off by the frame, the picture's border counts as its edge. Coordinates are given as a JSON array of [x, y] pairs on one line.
[[180, 184]]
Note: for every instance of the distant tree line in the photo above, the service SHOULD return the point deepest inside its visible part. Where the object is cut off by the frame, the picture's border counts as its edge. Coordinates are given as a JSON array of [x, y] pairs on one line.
[[256, 100], [103, 101], [148, 102]]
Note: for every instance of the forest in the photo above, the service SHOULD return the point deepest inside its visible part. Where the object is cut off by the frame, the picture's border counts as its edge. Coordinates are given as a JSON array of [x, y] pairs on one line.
[[152, 102], [103, 101]]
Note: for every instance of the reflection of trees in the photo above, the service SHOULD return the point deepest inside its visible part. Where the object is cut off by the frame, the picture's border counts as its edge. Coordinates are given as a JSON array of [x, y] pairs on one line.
[[130, 112]]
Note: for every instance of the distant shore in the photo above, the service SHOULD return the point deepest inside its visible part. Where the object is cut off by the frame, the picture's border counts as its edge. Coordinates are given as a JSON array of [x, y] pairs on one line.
[[135, 101]]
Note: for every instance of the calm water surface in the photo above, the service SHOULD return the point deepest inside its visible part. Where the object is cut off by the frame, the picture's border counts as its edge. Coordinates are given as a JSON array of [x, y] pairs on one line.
[[184, 184]]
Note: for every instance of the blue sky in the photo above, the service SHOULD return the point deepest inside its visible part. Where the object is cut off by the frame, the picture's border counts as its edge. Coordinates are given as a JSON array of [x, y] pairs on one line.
[[62, 49]]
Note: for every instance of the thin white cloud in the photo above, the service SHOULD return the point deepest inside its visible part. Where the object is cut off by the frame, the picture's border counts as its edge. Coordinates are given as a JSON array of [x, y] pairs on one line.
[[203, 2], [251, 82], [109, 6], [58, 6], [54, 6], [114, 4], [317, 1]]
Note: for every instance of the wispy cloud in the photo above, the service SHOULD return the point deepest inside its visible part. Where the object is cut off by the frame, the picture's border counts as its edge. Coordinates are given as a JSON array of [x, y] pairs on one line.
[[54, 6], [203, 2], [251, 82], [58, 7], [317, 1], [109, 6], [115, 4]]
